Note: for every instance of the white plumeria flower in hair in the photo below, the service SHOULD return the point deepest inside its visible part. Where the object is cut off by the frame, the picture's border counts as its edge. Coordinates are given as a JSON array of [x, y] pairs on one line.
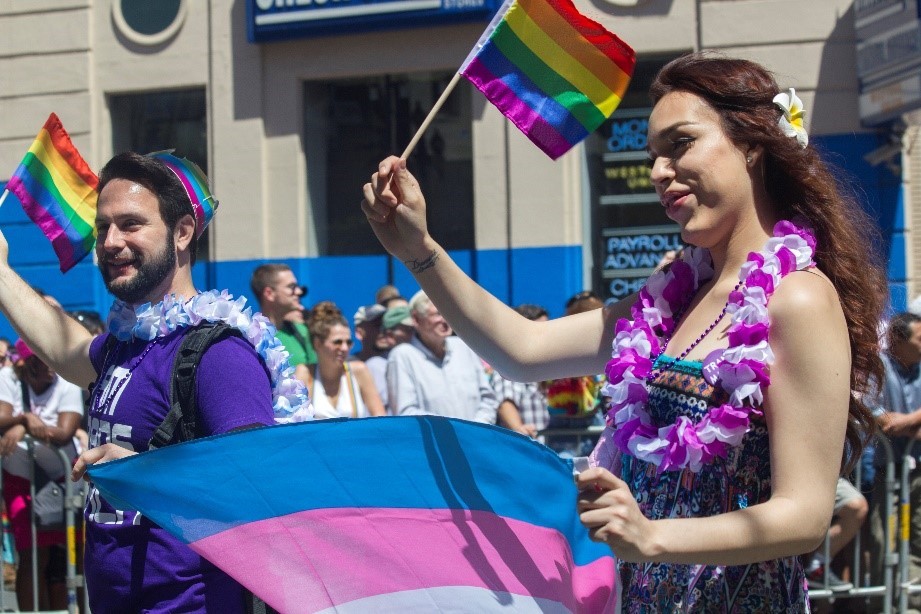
[[791, 122]]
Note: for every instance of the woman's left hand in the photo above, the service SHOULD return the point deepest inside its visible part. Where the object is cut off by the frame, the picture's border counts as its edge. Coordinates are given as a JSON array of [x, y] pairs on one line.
[[610, 513]]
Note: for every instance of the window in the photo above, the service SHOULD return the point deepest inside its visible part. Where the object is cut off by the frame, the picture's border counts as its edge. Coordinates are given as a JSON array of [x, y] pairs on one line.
[[352, 124], [146, 22]]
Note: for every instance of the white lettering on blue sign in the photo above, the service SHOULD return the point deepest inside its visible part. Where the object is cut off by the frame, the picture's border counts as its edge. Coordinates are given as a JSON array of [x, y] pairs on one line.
[[462, 4], [632, 261], [266, 5], [628, 135], [652, 243]]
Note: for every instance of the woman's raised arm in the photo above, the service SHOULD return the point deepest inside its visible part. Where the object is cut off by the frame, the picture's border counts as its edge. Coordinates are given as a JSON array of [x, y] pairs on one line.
[[517, 347]]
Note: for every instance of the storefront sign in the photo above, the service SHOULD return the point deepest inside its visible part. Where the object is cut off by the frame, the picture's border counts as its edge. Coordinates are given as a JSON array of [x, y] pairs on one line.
[[272, 20], [883, 103], [625, 168], [630, 255], [888, 58]]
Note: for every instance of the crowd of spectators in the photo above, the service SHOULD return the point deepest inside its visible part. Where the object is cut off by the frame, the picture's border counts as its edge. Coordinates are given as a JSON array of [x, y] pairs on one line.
[[409, 362]]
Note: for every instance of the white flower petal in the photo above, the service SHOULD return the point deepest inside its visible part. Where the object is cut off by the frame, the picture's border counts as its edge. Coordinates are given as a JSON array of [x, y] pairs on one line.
[[289, 397]]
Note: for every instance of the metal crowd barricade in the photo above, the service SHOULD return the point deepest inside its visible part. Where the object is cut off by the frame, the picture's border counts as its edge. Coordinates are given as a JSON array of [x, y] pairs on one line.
[[906, 585], [897, 582], [73, 505]]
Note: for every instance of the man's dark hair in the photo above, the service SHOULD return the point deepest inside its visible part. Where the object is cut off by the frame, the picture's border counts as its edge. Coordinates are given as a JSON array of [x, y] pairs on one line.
[[156, 177], [900, 326], [532, 312], [264, 277]]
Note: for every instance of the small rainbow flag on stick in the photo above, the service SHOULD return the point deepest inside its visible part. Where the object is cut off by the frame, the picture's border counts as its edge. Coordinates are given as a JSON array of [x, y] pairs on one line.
[[57, 190], [552, 71]]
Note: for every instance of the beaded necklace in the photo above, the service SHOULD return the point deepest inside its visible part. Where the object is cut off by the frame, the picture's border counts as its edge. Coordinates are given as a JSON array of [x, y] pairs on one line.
[[105, 405], [656, 371], [741, 369]]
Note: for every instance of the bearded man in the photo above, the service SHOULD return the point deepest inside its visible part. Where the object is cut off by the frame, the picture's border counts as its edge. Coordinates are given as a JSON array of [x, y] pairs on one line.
[[150, 215]]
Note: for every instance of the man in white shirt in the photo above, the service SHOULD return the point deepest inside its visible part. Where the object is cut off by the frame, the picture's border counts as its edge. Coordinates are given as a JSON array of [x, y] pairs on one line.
[[437, 373]]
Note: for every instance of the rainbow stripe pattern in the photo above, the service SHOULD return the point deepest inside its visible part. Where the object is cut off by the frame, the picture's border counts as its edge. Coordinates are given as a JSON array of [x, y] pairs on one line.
[[195, 183], [392, 514], [57, 190], [553, 72], [573, 396]]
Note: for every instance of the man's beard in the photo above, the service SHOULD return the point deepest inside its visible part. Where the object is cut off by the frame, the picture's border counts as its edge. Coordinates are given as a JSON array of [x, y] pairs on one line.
[[149, 273]]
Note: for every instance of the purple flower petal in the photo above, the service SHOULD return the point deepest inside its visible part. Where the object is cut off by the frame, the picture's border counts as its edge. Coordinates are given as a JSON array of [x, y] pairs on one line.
[[760, 279], [748, 334], [787, 260], [785, 227]]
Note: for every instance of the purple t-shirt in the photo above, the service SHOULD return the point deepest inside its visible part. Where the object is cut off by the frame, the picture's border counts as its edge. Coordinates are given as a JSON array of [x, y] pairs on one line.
[[132, 565]]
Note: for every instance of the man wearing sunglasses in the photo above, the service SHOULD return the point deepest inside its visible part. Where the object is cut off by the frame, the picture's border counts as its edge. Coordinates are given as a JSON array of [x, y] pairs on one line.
[[279, 295]]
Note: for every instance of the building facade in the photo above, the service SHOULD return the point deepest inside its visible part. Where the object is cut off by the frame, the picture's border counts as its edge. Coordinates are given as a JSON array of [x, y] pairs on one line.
[[289, 109]]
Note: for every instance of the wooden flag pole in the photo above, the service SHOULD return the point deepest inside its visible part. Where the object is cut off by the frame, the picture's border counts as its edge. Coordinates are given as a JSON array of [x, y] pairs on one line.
[[428, 119]]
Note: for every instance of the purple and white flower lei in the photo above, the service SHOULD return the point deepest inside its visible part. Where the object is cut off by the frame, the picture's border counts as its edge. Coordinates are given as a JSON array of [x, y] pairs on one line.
[[742, 371], [289, 396]]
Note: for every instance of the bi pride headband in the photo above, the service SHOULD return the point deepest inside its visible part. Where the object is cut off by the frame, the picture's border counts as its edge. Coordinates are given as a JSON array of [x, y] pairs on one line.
[[193, 180]]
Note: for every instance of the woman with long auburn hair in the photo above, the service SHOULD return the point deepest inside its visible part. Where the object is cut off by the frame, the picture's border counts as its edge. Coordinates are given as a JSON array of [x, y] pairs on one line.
[[736, 372]]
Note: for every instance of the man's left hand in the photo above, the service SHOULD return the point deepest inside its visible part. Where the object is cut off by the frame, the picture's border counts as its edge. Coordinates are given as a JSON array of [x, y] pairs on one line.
[[102, 454]]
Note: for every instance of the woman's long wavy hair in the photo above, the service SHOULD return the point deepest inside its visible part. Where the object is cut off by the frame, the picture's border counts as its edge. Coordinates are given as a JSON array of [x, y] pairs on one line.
[[802, 186]]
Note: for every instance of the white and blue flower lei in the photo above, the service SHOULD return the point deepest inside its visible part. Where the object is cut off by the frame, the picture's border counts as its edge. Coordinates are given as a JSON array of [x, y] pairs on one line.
[[289, 396]]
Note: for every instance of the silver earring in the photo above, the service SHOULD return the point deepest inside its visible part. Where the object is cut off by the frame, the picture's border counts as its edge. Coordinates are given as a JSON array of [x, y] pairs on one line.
[[748, 159]]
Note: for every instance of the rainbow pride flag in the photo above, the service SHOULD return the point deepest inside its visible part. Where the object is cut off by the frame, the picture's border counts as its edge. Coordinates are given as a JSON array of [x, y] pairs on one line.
[[394, 514], [552, 71], [57, 190]]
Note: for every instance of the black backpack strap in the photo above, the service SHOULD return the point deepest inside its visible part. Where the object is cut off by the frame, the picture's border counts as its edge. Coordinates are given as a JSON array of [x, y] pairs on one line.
[[181, 422]]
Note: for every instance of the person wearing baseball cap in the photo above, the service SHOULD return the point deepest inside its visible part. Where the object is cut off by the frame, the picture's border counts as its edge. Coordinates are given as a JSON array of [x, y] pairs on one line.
[[435, 372], [367, 322], [374, 346], [397, 325]]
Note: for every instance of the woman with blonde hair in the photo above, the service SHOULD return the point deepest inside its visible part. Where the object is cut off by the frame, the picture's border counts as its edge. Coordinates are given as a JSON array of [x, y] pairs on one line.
[[736, 372], [339, 388]]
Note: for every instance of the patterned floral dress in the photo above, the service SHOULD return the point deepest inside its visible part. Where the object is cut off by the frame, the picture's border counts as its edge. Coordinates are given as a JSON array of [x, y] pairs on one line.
[[740, 480]]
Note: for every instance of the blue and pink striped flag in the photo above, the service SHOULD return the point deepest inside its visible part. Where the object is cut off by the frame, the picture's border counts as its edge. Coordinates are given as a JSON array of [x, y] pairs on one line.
[[398, 514]]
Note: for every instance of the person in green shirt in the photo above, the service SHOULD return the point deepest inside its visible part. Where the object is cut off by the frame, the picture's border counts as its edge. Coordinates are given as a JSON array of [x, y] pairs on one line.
[[279, 295]]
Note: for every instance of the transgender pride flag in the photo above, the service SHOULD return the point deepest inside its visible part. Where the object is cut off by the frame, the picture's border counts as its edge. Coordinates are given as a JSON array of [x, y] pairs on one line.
[[396, 514]]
